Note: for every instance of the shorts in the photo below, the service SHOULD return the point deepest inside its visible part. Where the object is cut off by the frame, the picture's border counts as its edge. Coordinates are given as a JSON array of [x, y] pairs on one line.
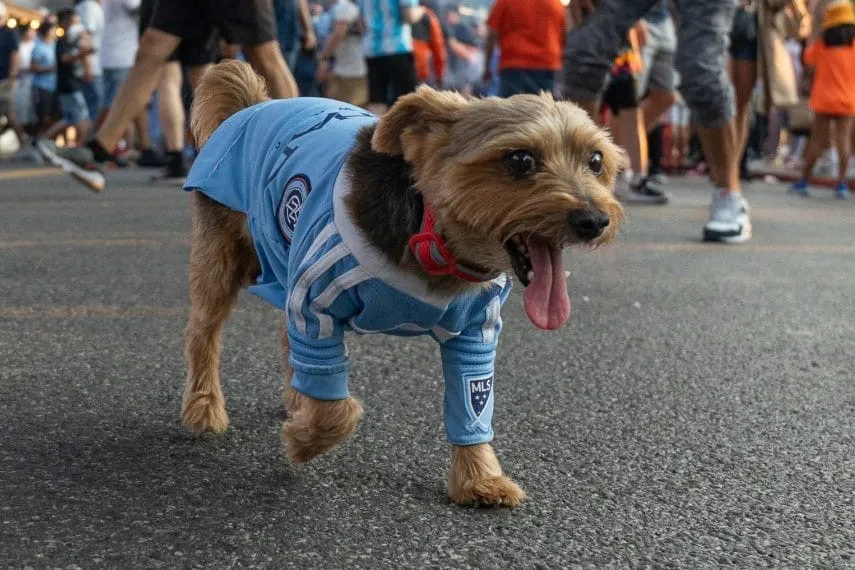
[[520, 81], [242, 22], [113, 79], [200, 47], [658, 58], [24, 111], [390, 76], [93, 93], [74, 110], [743, 36], [46, 104], [621, 93], [353, 90]]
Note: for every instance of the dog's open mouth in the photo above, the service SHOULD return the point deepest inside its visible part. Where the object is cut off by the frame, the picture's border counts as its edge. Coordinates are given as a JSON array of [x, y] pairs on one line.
[[539, 267]]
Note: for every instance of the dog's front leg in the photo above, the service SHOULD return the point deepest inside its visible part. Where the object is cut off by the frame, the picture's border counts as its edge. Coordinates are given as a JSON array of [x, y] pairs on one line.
[[313, 426], [476, 478]]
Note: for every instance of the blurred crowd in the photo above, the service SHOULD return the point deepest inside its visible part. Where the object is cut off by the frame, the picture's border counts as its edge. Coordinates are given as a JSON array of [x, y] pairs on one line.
[[60, 75]]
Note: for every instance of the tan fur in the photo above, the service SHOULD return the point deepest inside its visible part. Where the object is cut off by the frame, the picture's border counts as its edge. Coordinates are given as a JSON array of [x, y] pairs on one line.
[[476, 478], [225, 89], [455, 146]]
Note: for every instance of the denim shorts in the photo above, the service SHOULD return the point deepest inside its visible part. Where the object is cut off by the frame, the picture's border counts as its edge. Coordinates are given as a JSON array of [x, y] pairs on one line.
[[113, 79], [74, 108]]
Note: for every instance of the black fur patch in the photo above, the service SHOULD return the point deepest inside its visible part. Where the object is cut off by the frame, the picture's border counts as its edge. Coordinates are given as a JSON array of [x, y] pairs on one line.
[[383, 200]]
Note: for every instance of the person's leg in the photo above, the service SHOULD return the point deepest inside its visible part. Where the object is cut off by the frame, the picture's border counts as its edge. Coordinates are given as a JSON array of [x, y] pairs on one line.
[[843, 138], [818, 135], [633, 139], [592, 46], [155, 47], [657, 102], [170, 107], [703, 33], [267, 59], [378, 83], [404, 78]]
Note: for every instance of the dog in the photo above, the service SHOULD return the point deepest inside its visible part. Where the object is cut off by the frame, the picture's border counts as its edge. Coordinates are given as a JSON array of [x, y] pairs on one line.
[[408, 225]]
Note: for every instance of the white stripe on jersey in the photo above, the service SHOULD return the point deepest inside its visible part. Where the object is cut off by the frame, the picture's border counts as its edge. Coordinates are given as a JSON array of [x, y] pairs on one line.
[[309, 276], [494, 317], [338, 286]]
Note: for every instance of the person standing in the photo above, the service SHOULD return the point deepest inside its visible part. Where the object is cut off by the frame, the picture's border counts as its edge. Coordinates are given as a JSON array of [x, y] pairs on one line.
[[43, 68], [832, 96], [341, 67], [429, 49], [388, 48], [704, 83], [92, 17], [530, 37], [71, 53]]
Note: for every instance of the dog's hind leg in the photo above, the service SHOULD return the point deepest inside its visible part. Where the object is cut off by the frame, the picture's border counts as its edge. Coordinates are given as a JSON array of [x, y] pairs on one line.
[[222, 260], [476, 477]]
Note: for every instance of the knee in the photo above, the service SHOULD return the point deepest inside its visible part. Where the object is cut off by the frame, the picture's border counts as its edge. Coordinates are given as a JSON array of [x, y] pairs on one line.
[[707, 91]]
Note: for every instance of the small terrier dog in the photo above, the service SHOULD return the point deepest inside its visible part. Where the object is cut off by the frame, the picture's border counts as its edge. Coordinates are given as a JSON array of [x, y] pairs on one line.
[[405, 225]]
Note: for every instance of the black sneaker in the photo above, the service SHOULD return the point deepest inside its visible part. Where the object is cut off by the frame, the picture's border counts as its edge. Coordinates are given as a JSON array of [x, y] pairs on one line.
[[175, 166], [150, 158], [79, 162], [643, 192]]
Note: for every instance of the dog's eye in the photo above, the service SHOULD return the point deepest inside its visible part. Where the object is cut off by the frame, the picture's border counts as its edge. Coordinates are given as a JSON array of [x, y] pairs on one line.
[[595, 162], [521, 162]]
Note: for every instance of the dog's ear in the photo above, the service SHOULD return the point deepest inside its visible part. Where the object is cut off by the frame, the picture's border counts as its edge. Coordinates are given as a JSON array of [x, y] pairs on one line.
[[413, 116]]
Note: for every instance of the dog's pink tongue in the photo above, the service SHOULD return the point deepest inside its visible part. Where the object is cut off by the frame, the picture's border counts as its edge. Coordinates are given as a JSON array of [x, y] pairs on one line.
[[547, 303]]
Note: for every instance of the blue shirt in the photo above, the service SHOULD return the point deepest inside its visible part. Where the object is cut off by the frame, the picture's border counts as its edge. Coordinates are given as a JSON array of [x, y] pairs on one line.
[[386, 33], [44, 55], [283, 164]]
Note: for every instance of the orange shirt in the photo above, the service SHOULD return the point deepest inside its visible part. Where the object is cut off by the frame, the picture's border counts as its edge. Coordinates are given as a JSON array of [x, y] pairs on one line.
[[531, 33], [833, 91]]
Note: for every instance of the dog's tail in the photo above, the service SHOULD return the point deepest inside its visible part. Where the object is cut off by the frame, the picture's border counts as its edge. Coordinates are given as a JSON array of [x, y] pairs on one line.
[[224, 90]]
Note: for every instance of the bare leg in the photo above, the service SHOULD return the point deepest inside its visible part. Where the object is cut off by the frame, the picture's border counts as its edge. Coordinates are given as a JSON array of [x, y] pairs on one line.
[[722, 155], [654, 105], [744, 75], [816, 144], [267, 59], [141, 128], [155, 48], [633, 138], [844, 142], [171, 107]]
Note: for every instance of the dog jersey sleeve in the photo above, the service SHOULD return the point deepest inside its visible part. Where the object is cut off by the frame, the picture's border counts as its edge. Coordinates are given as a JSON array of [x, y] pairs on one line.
[[468, 361]]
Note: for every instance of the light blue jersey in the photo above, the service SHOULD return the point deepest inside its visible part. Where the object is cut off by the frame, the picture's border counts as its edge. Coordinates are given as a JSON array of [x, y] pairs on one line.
[[44, 55], [386, 32], [283, 164]]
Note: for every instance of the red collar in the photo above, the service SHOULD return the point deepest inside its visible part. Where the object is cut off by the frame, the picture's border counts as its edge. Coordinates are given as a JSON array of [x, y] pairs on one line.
[[435, 257]]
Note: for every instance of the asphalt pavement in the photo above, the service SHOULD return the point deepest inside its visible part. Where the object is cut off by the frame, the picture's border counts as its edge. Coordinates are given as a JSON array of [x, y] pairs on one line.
[[698, 410]]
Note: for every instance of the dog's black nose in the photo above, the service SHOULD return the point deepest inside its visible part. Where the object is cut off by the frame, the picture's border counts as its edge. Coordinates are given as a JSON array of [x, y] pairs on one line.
[[588, 223]]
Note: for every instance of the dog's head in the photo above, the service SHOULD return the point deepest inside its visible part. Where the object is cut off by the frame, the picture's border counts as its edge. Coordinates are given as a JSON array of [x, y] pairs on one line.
[[512, 182]]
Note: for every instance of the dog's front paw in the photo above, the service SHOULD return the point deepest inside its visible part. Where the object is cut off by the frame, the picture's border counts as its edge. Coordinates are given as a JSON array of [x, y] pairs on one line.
[[203, 412], [476, 478], [491, 491], [316, 426]]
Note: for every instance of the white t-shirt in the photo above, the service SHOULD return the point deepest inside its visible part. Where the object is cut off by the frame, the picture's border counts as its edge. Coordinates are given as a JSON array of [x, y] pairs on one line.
[[349, 61], [122, 37], [92, 18], [25, 55]]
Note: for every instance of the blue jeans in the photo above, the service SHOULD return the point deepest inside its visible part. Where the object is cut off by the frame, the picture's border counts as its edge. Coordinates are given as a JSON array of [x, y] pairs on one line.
[[93, 93], [519, 81], [113, 79], [74, 109]]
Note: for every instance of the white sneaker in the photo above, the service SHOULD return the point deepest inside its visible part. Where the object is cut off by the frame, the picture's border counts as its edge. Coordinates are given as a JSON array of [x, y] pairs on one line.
[[729, 221]]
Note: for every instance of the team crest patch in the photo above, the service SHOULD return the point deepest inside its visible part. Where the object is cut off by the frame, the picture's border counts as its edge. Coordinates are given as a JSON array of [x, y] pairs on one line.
[[293, 198], [480, 390]]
